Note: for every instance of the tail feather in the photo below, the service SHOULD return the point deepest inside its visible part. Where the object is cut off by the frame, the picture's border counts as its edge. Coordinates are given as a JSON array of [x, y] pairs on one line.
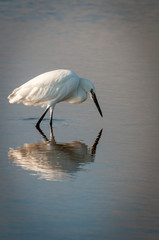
[[26, 96], [15, 96]]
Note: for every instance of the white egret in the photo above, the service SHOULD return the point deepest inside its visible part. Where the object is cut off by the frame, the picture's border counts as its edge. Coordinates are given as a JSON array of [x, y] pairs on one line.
[[53, 87]]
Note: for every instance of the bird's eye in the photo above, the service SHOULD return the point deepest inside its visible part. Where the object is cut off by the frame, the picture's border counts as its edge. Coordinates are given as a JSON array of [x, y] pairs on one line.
[[92, 91]]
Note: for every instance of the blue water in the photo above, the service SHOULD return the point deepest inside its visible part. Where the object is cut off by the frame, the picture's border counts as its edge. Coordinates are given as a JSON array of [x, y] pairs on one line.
[[79, 181]]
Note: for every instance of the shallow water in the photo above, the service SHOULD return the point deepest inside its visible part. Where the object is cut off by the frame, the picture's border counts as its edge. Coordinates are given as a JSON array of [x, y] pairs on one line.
[[79, 181]]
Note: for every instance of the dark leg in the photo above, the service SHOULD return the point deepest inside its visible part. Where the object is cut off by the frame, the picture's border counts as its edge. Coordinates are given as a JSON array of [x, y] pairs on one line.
[[51, 115], [52, 139], [41, 118], [44, 136], [51, 122]]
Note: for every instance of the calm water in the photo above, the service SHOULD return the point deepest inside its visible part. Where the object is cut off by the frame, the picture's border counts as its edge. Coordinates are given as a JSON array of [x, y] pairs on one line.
[[79, 182]]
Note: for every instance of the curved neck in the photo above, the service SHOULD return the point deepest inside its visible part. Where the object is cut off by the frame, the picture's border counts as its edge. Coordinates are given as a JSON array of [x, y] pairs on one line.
[[85, 84]]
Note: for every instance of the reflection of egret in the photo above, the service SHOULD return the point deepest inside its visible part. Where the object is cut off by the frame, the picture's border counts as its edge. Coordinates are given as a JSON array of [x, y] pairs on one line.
[[54, 161], [53, 87]]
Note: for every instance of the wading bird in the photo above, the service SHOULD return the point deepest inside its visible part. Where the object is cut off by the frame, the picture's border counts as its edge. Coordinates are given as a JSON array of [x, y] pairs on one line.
[[50, 88]]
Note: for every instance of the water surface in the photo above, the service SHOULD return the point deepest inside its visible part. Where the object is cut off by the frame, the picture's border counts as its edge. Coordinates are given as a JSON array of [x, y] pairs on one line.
[[79, 182]]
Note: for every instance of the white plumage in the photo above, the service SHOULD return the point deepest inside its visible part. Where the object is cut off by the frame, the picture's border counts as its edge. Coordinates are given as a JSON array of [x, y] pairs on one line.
[[50, 88]]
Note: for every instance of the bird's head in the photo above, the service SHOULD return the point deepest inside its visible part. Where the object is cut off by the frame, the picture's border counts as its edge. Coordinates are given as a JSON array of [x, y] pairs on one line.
[[88, 86]]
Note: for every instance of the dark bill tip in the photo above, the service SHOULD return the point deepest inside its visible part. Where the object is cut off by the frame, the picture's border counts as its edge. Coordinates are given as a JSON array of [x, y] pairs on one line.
[[96, 102]]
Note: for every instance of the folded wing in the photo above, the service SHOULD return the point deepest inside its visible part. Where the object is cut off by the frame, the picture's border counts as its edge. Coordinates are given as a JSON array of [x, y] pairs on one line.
[[47, 88]]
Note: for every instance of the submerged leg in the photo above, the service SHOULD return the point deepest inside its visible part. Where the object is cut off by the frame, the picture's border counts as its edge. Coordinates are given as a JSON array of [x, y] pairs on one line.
[[51, 114], [41, 118], [52, 138]]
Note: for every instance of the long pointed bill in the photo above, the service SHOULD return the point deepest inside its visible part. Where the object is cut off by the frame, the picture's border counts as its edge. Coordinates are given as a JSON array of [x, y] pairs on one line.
[[96, 102]]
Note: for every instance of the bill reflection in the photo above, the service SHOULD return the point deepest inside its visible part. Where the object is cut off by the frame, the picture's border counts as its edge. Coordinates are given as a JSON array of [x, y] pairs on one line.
[[54, 161]]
